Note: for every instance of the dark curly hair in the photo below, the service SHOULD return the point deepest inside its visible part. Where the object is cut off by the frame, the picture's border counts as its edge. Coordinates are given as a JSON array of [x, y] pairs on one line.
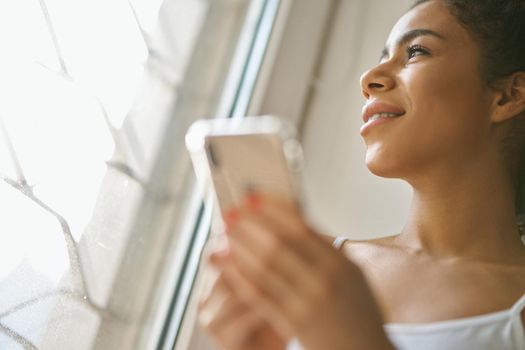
[[498, 27]]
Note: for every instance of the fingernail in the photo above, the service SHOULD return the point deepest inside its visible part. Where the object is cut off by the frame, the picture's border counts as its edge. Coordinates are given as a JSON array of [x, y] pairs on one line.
[[253, 201], [230, 218]]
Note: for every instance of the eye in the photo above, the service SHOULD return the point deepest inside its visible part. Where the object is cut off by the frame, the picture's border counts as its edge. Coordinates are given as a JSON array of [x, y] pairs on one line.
[[416, 50]]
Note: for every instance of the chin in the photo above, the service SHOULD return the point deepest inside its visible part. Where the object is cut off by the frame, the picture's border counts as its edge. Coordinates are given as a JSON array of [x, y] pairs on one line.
[[381, 170], [383, 165]]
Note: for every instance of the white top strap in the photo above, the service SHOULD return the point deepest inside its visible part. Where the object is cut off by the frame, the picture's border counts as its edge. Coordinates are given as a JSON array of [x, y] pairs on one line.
[[517, 323], [519, 305], [339, 242]]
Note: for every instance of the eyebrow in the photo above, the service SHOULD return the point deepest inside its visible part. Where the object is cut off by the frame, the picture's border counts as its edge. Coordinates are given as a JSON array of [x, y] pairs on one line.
[[411, 35]]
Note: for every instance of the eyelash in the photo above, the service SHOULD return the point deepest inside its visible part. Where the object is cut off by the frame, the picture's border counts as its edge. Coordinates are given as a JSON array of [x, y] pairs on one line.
[[414, 49]]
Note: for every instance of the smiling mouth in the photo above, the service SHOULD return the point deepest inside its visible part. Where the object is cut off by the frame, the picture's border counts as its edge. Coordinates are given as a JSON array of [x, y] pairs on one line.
[[378, 118], [384, 115], [378, 109]]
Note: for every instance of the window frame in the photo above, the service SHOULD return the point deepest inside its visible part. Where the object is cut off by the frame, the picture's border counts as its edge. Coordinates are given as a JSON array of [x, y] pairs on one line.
[[283, 86], [162, 309], [234, 103]]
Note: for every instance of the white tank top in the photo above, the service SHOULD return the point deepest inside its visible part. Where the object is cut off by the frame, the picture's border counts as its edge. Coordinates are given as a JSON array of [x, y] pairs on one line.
[[502, 330]]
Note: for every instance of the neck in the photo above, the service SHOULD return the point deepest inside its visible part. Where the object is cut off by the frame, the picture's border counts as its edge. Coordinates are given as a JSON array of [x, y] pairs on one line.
[[468, 213]]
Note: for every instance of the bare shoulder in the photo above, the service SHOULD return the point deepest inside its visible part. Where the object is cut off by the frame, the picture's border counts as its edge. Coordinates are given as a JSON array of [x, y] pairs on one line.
[[403, 282]]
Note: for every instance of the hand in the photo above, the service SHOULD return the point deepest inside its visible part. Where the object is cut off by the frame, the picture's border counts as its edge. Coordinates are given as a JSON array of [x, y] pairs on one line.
[[232, 324], [292, 278]]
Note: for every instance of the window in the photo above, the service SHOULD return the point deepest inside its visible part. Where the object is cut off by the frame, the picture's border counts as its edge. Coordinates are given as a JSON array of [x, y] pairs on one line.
[[97, 205]]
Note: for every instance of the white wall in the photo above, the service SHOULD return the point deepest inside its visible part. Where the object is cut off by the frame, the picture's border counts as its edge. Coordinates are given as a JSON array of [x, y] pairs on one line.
[[343, 197]]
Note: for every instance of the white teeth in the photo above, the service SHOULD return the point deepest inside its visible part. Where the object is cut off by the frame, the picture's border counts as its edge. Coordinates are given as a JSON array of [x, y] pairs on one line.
[[382, 115]]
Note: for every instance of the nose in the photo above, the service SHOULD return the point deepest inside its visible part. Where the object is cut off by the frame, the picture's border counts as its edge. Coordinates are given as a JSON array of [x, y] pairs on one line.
[[376, 80]]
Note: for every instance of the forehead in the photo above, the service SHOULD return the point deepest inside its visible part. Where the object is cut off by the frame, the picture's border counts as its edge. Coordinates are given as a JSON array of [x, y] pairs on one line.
[[433, 15]]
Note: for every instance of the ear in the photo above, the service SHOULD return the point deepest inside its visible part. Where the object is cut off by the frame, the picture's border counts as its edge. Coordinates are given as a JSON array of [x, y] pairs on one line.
[[510, 99]]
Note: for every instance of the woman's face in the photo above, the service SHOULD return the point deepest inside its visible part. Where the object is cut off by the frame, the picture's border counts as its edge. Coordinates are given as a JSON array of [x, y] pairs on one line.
[[429, 81]]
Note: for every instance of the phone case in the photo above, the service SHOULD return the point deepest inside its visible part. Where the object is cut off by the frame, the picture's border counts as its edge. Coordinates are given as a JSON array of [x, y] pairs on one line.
[[232, 157]]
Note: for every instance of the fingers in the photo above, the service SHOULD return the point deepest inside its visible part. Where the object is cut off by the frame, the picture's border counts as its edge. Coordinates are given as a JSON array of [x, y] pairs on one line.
[[264, 254], [282, 223], [280, 273], [233, 328], [278, 265], [221, 316], [213, 300], [259, 298], [271, 242], [227, 318]]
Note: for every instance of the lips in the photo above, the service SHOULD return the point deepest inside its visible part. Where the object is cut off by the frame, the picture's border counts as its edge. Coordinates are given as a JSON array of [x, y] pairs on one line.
[[381, 109]]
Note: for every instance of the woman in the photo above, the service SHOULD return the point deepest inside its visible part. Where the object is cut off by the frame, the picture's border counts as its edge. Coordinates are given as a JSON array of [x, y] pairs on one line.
[[445, 111]]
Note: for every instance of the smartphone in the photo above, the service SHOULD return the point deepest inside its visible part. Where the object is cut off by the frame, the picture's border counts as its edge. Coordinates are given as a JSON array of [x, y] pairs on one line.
[[233, 157]]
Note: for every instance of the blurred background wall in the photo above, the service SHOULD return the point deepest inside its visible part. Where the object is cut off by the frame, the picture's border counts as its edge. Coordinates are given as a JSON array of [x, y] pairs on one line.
[[344, 198], [313, 80]]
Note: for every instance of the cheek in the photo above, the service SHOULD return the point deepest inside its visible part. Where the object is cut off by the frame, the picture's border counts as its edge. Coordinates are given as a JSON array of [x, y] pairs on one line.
[[449, 108], [445, 123]]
